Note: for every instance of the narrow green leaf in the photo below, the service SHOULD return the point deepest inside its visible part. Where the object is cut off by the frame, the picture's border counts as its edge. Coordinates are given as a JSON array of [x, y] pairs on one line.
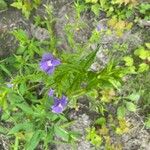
[[2, 67], [14, 98], [25, 108], [22, 88], [61, 133], [3, 130], [35, 139], [147, 123], [21, 127]]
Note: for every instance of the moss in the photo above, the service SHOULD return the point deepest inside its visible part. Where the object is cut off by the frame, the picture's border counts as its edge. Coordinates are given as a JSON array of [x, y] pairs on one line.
[[3, 5]]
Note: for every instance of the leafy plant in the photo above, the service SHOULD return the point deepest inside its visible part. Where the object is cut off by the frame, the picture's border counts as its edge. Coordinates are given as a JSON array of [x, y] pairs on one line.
[[94, 137], [26, 6], [120, 9], [144, 11]]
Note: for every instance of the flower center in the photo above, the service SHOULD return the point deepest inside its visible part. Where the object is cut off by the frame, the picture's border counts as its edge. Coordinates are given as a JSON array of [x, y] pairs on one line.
[[60, 106], [49, 63]]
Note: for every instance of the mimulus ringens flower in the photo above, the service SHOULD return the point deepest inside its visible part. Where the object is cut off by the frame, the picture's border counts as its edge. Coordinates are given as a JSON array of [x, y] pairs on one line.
[[59, 104], [48, 63]]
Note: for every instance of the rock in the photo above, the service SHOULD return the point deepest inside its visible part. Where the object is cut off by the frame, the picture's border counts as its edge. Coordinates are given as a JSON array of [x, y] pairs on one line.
[[66, 19], [106, 42], [4, 142], [81, 123], [138, 138], [10, 20], [39, 33], [143, 23], [101, 59], [55, 4]]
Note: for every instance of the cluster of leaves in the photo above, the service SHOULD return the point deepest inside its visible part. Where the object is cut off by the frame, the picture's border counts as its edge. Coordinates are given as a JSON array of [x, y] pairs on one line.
[[100, 133], [119, 26], [119, 8], [144, 11], [26, 6]]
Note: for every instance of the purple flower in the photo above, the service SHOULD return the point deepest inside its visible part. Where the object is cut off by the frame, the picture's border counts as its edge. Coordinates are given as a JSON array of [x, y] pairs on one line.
[[100, 27], [51, 92], [48, 63], [59, 104]]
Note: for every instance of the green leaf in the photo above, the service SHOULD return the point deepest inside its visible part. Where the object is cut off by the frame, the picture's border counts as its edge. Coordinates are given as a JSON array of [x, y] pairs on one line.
[[88, 60], [2, 67], [18, 5], [131, 106], [22, 88], [26, 126], [142, 53], [147, 45], [14, 98], [91, 1], [20, 35], [121, 112], [134, 97], [96, 9], [143, 67], [6, 115], [103, 3], [101, 121], [3, 5], [35, 139], [3, 130], [128, 61], [61, 133], [25, 108], [115, 83], [147, 123]]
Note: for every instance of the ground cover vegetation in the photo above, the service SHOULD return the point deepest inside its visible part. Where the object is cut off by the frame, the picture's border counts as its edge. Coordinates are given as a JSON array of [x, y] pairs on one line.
[[43, 80]]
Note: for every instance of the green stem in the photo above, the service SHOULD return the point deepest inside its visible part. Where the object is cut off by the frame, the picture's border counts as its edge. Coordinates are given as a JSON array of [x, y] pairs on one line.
[[16, 143]]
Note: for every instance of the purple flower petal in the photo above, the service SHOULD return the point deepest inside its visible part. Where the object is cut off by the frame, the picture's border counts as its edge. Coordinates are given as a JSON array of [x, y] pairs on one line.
[[58, 109], [50, 70], [56, 62], [47, 56], [59, 104], [56, 101], [63, 101], [51, 92], [44, 66]]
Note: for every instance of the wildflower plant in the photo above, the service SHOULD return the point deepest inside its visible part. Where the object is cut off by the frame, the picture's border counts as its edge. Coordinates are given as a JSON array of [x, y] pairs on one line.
[[43, 91], [46, 83]]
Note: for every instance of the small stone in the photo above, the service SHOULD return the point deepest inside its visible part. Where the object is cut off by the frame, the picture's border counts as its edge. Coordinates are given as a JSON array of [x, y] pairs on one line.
[[39, 33]]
